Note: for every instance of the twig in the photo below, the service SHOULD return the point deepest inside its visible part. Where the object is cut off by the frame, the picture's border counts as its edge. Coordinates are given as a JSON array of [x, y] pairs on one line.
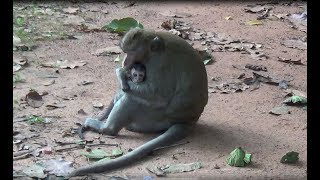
[[97, 144], [22, 152], [70, 147], [24, 156], [173, 145]]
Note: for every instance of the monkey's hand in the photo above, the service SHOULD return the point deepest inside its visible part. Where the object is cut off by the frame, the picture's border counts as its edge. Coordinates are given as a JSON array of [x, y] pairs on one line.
[[90, 123], [125, 87]]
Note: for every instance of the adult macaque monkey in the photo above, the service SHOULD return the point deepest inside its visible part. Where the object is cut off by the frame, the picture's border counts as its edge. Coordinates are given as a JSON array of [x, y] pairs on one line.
[[170, 99]]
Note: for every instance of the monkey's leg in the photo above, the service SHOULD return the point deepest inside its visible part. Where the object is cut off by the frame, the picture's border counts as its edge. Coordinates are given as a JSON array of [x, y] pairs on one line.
[[121, 76], [172, 135], [104, 115], [117, 119]]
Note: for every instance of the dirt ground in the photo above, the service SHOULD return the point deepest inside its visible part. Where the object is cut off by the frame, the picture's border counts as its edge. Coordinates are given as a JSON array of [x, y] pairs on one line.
[[229, 120]]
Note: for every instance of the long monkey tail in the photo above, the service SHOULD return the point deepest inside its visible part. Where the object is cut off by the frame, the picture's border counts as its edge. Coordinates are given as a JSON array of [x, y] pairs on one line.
[[173, 134]]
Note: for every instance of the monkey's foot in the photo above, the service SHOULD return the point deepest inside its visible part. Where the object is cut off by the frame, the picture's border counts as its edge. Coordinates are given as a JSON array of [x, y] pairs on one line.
[[81, 130], [90, 123]]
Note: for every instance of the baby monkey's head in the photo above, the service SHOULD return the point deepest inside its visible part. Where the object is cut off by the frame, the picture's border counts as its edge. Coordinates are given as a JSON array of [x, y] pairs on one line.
[[138, 73]]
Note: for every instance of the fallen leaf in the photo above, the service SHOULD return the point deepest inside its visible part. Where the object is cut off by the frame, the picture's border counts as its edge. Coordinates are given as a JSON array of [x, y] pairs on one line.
[[256, 67], [81, 111], [228, 18], [97, 104], [257, 9], [280, 16], [279, 110], [254, 22], [293, 92], [58, 167], [16, 67], [169, 24], [36, 170], [54, 106], [205, 56], [88, 27], [295, 100], [290, 157], [16, 41], [238, 158], [107, 51], [231, 86], [295, 43], [46, 150], [70, 10], [157, 171], [297, 62], [95, 154], [70, 65], [48, 83], [34, 99], [299, 21], [122, 25], [36, 119], [178, 168], [22, 60], [129, 4], [86, 82], [175, 32], [116, 152]]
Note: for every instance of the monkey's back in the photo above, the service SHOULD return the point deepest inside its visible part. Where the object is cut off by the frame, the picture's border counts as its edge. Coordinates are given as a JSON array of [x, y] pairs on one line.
[[190, 85]]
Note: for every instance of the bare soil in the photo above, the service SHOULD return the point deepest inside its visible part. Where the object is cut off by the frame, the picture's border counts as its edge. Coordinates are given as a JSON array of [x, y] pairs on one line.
[[229, 120]]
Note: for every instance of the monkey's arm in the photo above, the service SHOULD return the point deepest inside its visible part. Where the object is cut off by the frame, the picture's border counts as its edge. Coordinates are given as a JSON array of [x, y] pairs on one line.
[[121, 76], [173, 134]]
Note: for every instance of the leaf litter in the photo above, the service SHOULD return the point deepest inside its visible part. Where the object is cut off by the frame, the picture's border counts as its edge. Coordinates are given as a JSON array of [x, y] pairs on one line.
[[295, 43], [174, 168]]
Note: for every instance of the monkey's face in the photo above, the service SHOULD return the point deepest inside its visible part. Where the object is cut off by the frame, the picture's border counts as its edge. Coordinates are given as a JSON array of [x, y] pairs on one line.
[[137, 76], [139, 46]]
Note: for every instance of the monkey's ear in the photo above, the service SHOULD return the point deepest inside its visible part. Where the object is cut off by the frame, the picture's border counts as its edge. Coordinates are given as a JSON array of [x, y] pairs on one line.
[[157, 44]]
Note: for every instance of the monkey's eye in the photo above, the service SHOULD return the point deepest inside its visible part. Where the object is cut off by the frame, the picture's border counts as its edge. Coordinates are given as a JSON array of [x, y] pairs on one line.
[[135, 75], [140, 75]]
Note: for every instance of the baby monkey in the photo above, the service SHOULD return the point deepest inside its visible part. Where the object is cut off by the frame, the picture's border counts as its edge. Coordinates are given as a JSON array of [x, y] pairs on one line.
[[137, 74]]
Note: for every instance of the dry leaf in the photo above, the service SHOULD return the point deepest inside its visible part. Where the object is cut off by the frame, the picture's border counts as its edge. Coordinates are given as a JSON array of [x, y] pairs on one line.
[[34, 99], [70, 10], [70, 65], [107, 51], [257, 9], [295, 43], [48, 83], [254, 22], [297, 62]]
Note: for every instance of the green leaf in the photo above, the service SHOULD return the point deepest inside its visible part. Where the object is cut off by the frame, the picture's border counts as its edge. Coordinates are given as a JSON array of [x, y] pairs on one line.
[[35, 119], [236, 158], [290, 157], [247, 158], [207, 61], [254, 22], [295, 100], [20, 21], [117, 152], [122, 25], [80, 142], [95, 154], [102, 160]]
